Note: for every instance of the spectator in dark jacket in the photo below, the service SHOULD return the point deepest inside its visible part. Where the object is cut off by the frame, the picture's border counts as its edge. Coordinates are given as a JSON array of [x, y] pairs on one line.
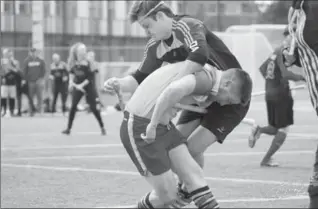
[[34, 74]]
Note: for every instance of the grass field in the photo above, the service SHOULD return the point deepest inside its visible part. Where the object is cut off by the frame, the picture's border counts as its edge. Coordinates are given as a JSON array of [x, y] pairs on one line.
[[42, 168]]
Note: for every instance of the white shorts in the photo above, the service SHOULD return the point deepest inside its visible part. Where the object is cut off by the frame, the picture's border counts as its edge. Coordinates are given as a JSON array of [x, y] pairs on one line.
[[8, 91]]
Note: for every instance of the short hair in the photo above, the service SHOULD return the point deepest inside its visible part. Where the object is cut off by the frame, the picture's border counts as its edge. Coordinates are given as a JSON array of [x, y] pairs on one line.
[[244, 85], [143, 7]]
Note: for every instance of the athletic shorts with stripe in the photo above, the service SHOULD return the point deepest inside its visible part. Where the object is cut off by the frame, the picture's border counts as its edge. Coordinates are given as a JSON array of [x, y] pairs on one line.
[[220, 120], [151, 158]]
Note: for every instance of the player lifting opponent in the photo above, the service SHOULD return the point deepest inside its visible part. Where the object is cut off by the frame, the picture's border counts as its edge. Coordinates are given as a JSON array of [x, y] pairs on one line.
[[279, 101], [182, 38]]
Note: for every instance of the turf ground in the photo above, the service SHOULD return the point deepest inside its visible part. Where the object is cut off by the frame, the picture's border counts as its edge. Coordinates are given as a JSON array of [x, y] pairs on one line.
[[42, 168]]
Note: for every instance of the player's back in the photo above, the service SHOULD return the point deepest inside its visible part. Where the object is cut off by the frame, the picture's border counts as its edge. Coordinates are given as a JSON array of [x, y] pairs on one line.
[[276, 86], [145, 96]]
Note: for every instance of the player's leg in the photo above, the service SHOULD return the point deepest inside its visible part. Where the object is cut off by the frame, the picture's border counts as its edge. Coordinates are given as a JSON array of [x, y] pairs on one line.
[[11, 96], [31, 94], [64, 92], [4, 99], [56, 91], [192, 177], [19, 97], [282, 117], [151, 160], [76, 97], [270, 129], [91, 100]]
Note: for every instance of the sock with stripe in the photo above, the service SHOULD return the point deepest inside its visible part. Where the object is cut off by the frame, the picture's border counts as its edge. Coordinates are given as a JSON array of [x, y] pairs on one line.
[[145, 203], [203, 198]]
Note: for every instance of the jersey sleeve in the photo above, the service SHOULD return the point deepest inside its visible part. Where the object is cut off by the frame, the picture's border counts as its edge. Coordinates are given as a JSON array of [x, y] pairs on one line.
[[150, 62], [192, 33]]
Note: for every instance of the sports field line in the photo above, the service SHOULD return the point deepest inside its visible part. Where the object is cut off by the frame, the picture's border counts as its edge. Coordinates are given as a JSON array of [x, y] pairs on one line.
[[132, 173], [70, 157], [300, 197], [110, 133]]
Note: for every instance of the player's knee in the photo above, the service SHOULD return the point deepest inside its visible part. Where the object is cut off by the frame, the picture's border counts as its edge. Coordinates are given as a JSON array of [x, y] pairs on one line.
[[284, 130]]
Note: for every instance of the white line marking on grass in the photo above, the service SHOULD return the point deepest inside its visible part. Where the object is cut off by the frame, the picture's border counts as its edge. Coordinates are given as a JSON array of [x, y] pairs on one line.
[[63, 147], [69, 157], [301, 197], [82, 133], [137, 174]]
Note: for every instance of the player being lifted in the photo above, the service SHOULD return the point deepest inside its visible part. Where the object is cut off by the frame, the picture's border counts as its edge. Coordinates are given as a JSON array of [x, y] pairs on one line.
[[279, 101], [182, 38]]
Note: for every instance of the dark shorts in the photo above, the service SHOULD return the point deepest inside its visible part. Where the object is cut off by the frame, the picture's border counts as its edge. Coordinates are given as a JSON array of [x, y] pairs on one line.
[[280, 113], [220, 120], [149, 158]]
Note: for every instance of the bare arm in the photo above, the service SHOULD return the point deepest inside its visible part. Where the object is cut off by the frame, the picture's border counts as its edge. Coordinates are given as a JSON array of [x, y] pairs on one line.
[[172, 95], [286, 74], [128, 84]]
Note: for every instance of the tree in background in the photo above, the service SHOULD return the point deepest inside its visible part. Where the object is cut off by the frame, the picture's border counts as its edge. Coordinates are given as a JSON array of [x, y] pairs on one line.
[[276, 13]]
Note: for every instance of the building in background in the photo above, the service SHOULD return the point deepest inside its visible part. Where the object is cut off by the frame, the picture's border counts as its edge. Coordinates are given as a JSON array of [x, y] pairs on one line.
[[219, 15], [104, 23]]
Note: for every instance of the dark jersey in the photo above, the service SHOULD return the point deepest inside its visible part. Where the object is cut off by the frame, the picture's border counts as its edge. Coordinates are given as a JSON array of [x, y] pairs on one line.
[[11, 77], [81, 72], [10, 73], [59, 71], [276, 75], [190, 40]]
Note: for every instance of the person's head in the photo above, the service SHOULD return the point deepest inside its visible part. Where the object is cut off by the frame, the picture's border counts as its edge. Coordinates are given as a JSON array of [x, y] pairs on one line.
[[235, 87], [33, 52], [56, 58], [77, 53], [91, 55], [7, 53], [154, 16], [287, 37]]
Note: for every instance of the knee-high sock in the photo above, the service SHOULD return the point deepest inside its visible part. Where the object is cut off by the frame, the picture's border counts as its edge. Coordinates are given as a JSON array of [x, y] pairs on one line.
[[4, 104], [276, 144], [11, 105]]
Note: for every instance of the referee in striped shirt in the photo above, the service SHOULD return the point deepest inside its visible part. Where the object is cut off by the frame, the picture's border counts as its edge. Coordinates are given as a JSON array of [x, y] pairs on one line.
[[304, 15]]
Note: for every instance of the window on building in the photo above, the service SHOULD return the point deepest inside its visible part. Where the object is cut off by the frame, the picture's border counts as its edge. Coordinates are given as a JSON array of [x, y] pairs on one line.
[[95, 9], [212, 7], [25, 7], [221, 7], [74, 9], [8, 6], [47, 8], [246, 8], [58, 8]]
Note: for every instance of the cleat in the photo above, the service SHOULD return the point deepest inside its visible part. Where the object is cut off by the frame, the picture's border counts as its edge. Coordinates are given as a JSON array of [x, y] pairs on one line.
[[66, 132], [255, 134], [269, 163], [103, 131]]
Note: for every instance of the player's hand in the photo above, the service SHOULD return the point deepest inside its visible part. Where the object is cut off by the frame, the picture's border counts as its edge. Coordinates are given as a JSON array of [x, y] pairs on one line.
[[65, 78], [111, 85], [289, 59], [23, 82], [150, 135]]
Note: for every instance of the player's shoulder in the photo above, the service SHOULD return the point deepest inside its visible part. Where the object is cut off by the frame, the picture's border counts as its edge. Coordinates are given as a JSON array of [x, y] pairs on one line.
[[186, 21], [152, 44]]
